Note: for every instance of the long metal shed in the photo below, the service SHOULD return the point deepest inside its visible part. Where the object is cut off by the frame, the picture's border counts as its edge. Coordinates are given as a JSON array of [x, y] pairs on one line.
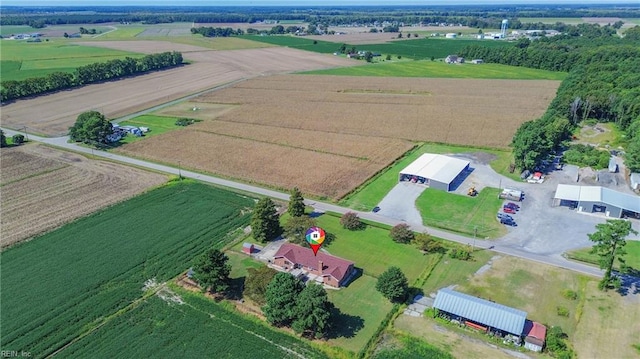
[[482, 311], [434, 170]]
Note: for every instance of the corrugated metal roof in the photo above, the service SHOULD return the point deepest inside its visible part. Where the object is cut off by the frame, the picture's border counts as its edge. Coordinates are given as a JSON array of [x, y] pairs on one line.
[[598, 194], [482, 311], [436, 167]]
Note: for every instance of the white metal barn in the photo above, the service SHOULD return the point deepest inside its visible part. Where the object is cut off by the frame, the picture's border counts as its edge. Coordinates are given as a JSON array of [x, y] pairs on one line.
[[436, 171], [597, 199]]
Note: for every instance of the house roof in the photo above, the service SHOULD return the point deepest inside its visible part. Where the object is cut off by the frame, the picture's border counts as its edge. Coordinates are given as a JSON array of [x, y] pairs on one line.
[[535, 330], [480, 310], [598, 194], [333, 266], [436, 167]]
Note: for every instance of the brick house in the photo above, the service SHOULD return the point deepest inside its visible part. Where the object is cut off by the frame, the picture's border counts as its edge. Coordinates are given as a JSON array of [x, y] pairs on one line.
[[334, 271]]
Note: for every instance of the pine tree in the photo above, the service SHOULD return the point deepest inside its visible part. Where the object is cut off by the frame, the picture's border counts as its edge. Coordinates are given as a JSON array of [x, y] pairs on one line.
[[609, 245], [393, 284], [313, 312], [212, 271], [282, 293], [296, 203], [265, 224]]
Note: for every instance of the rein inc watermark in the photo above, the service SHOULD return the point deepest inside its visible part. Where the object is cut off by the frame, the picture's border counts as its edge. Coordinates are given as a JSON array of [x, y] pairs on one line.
[[14, 354]]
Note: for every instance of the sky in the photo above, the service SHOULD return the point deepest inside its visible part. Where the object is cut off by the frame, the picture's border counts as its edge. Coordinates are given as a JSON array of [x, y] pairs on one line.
[[300, 3]]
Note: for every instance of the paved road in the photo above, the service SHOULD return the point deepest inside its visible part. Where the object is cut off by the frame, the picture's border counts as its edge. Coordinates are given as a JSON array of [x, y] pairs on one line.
[[508, 249]]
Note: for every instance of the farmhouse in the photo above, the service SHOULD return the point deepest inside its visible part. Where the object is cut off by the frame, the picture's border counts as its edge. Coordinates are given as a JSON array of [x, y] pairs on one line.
[[327, 269], [591, 199], [480, 313], [436, 171]]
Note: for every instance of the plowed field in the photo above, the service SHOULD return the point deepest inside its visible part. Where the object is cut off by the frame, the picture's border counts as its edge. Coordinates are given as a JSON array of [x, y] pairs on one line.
[[328, 134], [43, 188]]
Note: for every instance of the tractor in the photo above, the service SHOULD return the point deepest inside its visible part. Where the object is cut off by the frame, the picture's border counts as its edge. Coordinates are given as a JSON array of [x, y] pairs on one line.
[[472, 192]]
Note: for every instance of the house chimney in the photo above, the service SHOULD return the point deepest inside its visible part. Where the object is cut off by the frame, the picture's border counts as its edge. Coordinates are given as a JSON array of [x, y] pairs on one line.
[[320, 267]]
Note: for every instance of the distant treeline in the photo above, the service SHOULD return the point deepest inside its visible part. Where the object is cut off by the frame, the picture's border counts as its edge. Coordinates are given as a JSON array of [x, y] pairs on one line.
[[216, 31], [485, 16], [603, 85], [83, 75]]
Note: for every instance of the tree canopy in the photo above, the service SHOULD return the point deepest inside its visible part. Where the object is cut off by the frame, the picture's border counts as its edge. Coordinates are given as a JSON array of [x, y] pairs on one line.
[[609, 245], [351, 221], [211, 270], [296, 228], [393, 284], [312, 312], [265, 223], [296, 203], [3, 139], [91, 127], [401, 233], [281, 298]]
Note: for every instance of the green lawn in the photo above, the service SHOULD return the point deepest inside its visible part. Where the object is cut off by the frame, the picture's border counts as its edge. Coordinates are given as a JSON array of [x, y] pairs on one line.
[[7, 30], [632, 258], [428, 68], [462, 213], [21, 60], [240, 263], [58, 286], [362, 308], [372, 249], [451, 271], [157, 125], [373, 191]]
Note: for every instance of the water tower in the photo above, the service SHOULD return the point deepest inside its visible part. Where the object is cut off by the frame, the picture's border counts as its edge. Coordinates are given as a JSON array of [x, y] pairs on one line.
[[503, 28]]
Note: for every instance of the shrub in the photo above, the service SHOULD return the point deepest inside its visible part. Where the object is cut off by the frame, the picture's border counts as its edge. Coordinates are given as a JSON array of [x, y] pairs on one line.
[[562, 311], [461, 253], [18, 139], [351, 221], [401, 233], [570, 294], [186, 121]]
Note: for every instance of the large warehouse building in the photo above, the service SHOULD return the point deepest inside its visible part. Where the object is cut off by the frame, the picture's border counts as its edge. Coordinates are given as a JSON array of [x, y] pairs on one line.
[[597, 199], [436, 171]]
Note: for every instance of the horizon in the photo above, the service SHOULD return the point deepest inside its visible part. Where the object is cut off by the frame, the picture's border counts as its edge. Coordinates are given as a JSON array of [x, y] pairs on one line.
[[298, 3]]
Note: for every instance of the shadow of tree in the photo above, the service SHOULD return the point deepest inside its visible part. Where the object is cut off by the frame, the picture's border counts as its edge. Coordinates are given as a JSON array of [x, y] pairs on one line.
[[236, 286], [344, 325], [629, 282]]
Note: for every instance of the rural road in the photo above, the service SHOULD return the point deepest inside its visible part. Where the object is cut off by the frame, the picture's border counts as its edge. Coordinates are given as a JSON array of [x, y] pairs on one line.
[[513, 250]]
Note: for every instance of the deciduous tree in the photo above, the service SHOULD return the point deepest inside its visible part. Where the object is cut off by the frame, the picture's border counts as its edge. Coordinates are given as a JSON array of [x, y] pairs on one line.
[[351, 221], [393, 284], [425, 242], [401, 233], [609, 245], [3, 139], [296, 203], [211, 271], [312, 312], [281, 297], [265, 224], [296, 228], [91, 127]]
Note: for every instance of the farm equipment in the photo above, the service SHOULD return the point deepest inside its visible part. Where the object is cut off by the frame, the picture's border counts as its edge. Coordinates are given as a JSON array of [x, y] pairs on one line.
[[472, 192]]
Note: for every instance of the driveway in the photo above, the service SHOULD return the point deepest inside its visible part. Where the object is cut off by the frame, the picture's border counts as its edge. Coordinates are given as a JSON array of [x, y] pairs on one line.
[[400, 203]]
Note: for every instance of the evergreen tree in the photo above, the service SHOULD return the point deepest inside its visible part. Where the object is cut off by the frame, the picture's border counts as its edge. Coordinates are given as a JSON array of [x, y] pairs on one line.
[[281, 296], [296, 203], [609, 245], [393, 284], [313, 312], [212, 271], [265, 224]]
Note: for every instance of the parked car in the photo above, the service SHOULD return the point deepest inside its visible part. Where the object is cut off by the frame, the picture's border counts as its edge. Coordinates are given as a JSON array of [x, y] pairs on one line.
[[506, 209], [376, 209], [502, 216], [512, 206], [508, 222]]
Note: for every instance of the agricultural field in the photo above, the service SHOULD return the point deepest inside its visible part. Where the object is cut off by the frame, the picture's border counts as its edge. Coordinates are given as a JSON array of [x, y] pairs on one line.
[[354, 122], [53, 114], [178, 323], [21, 60], [69, 282], [461, 213], [44, 188], [435, 69]]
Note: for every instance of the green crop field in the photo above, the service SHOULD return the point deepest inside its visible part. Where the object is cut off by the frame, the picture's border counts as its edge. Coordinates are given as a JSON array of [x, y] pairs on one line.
[[426, 68], [372, 192], [462, 213], [65, 283], [295, 42], [21, 60], [198, 328], [8, 30]]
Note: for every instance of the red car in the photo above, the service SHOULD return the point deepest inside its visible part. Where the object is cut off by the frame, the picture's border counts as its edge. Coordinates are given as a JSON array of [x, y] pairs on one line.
[[512, 206], [508, 210]]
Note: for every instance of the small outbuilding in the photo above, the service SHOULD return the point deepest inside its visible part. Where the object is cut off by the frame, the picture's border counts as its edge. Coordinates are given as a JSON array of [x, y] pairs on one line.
[[248, 248], [613, 166], [436, 171], [534, 335], [635, 181]]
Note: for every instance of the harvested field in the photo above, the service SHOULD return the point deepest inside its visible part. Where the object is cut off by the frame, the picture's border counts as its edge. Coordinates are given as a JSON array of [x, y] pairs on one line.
[[43, 188], [362, 36], [328, 134], [145, 46], [55, 113], [456, 111]]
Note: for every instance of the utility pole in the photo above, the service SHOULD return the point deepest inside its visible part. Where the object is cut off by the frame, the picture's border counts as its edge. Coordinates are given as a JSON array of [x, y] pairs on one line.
[[25, 133], [180, 170]]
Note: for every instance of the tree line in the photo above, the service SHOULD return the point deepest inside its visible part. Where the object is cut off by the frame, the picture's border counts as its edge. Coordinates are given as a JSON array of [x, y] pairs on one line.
[[87, 74], [603, 84], [216, 31]]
